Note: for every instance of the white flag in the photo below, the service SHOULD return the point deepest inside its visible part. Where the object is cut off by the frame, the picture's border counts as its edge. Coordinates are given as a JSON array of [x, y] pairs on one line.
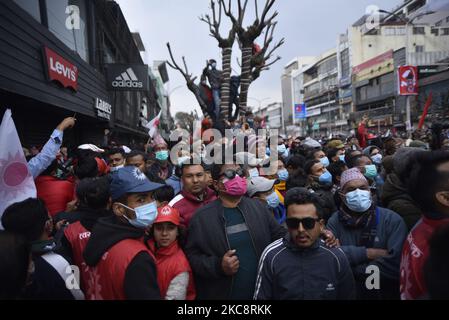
[[16, 181], [153, 124]]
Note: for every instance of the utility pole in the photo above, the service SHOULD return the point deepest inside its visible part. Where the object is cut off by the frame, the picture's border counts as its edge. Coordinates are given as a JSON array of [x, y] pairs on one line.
[[408, 22]]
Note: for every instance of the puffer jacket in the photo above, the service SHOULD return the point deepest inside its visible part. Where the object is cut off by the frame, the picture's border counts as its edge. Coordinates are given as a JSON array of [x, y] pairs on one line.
[[187, 204], [170, 263]]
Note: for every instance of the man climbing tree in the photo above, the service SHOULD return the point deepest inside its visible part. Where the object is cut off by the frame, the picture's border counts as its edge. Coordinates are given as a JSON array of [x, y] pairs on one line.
[[254, 58]]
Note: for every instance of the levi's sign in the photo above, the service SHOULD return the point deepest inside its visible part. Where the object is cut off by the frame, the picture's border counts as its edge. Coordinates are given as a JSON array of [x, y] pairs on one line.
[[61, 70], [122, 77], [104, 109]]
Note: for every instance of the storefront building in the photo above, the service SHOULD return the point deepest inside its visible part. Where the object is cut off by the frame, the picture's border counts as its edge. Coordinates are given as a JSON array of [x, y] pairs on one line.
[[54, 61]]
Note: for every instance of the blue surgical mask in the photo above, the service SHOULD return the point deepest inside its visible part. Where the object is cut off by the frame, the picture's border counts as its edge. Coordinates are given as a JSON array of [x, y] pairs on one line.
[[377, 158], [342, 158], [273, 200], [325, 178], [325, 161], [145, 215], [283, 174], [281, 149], [370, 171], [358, 200], [162, 155]]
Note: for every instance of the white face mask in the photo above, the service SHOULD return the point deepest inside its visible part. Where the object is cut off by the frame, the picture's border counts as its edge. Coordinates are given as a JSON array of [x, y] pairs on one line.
[[117, 168]]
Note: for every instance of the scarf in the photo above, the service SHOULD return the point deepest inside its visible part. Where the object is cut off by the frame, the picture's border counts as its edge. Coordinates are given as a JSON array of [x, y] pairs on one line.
[[367, 222]]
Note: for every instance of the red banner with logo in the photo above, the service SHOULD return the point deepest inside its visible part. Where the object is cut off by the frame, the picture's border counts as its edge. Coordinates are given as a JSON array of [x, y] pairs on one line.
[[408, 80], [61, 70]]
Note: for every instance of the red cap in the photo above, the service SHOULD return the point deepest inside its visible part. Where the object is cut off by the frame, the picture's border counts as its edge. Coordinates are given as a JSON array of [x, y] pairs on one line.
[[168, 214]]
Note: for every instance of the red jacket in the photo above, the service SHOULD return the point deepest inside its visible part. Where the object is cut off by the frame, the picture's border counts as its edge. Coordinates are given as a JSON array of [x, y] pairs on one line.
[[55, 193], [78, 236], [414, 255], [187, 204], [170, 262], [105, 281]]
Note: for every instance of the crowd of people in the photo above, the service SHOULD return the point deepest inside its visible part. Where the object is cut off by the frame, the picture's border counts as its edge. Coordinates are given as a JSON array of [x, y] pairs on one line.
[[335, 219]]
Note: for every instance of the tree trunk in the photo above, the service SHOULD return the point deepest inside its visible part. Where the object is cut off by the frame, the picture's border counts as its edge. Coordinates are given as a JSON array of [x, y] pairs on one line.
[[245, 80], [226, 82]]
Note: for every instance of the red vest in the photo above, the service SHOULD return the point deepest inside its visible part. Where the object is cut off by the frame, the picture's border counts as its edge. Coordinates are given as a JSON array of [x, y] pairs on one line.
[[56, 193], [78, 236], [170, 262], [105, 281], [414, 254]]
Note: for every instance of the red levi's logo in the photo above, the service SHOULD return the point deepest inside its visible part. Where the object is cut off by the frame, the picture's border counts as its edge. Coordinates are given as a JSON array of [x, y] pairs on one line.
[[61, 70]]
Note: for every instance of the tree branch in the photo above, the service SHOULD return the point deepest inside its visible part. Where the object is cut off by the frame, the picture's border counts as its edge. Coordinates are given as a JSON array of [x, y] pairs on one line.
[[190, 82], [257, 10]]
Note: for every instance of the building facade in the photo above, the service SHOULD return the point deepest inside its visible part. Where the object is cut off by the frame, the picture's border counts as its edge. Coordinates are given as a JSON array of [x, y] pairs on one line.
[[54, 61]]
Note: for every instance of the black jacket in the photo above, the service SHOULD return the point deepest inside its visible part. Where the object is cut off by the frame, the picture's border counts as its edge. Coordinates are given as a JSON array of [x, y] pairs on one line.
[[207, 243], [140, 277], [327, 198], [287, 272], [87, 217]]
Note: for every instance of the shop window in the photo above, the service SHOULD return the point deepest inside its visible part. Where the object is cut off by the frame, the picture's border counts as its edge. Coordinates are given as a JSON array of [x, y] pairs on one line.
[[63, 22], [30, 6]]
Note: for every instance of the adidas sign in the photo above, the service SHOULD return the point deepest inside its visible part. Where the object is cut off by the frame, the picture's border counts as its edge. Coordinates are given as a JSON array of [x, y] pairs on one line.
[[127, 79]]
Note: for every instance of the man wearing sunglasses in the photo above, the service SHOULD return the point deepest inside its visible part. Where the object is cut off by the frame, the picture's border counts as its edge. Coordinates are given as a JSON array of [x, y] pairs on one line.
[[227, 237], [300, 266]]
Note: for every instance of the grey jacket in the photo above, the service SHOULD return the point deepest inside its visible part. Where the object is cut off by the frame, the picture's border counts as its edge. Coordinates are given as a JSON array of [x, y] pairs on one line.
[[207, 243], [287, 272], [391, 234]]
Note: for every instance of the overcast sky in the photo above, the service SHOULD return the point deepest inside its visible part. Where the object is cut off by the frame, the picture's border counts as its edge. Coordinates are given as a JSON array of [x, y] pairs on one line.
[[309, 27]]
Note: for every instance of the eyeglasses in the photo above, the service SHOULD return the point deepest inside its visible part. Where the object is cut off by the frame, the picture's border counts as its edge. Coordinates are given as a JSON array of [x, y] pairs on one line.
[[308, 223], [231, 173]]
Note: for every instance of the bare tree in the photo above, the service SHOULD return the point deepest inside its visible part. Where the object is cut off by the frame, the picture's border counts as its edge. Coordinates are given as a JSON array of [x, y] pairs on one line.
[[252, 66], [190, 82], [225, 44]]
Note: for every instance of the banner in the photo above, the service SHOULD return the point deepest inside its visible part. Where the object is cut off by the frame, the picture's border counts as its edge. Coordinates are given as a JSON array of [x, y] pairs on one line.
[[408, 81], [16, 182], [300, 111]]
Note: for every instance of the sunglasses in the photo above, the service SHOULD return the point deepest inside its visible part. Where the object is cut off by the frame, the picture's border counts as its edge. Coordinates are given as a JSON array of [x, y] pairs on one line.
[[308, 223], [231, 173]]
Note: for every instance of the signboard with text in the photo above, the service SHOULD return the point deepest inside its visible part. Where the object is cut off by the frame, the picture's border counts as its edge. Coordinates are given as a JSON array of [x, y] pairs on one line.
[[103, 108], [61, 70], [127, 77]]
